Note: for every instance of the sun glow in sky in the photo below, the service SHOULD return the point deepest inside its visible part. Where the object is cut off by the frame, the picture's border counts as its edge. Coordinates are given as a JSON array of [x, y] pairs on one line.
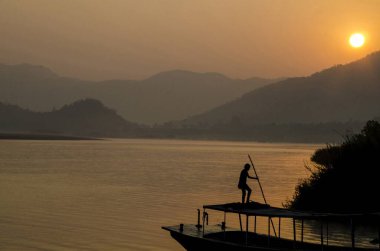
[[357, 40], [129, 39]]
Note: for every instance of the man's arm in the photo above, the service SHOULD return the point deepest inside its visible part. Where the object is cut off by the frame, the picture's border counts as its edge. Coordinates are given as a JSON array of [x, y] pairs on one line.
[[251, 177]]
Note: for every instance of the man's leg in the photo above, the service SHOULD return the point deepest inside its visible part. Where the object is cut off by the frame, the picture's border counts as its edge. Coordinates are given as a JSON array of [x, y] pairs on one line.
[[242, 195], [249, 193]]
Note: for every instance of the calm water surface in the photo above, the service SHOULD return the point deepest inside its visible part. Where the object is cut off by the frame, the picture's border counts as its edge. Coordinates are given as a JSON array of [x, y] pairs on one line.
[[116, 194]]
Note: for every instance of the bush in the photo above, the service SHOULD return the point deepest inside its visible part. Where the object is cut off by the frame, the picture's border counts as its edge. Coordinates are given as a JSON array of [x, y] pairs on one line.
[[344, 178]]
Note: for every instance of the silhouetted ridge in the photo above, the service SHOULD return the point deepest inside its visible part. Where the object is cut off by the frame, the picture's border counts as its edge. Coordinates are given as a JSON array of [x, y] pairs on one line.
[[26, 71], [166, 96], [86, 106], [181, 75], [87, 117], [340, 93]]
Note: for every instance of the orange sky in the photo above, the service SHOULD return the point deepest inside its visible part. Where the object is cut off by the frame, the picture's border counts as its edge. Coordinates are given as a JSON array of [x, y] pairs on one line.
[[98, 39]]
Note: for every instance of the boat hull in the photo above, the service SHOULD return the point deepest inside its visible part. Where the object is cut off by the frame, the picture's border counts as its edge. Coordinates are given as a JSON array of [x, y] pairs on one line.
[[193, 239]]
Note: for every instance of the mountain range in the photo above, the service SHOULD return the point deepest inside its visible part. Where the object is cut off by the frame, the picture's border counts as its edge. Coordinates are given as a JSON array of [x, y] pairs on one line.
[[322, 107], [89, 118], [166, 96], [341, 93]]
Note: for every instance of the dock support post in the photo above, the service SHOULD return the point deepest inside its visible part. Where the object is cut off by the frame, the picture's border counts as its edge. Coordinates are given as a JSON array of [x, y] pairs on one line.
[[352, 233], [246, 231], [269, 222], [203, 222], [199, 219], [225, 218], [294, 233], [224, 224], [321, 234], [254, 227], [302, 231], [279, 227], [241, 226], [327, 233]]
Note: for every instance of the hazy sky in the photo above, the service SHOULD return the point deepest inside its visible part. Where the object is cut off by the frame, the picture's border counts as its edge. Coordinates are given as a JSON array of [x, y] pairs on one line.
[[109, 39]]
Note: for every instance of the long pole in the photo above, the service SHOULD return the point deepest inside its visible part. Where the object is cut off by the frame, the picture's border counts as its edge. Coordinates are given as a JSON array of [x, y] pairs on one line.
[[262, 191], [258, 180]]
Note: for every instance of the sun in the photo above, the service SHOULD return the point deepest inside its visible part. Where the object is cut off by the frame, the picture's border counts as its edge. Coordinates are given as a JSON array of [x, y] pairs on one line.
[[357, 40]]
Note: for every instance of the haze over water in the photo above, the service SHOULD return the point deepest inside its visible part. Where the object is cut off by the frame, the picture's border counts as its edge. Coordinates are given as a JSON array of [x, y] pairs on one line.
[[116, 194]]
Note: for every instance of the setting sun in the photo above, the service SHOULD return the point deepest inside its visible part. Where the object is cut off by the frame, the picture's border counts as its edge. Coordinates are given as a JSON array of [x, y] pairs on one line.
[[357, 40]]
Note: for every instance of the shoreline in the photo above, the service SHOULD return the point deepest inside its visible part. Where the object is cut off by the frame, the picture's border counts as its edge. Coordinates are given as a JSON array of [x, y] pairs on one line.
[[32, 136]]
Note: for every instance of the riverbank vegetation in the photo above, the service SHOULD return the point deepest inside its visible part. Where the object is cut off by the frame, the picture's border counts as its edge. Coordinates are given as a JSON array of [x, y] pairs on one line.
[[345, 177]]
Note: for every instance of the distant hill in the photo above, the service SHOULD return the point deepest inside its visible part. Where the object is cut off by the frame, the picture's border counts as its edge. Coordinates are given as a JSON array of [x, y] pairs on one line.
[[87, 117], [90, 118], [341, 93], [171, 95]]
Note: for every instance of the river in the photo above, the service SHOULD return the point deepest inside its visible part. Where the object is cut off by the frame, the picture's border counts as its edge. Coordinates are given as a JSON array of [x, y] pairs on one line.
[[115, 194]]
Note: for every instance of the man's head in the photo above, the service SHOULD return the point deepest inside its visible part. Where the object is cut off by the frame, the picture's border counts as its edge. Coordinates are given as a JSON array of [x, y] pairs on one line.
[[247, 166]]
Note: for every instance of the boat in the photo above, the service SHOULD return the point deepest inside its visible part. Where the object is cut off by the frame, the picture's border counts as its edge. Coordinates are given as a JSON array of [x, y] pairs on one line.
[[202, 236]]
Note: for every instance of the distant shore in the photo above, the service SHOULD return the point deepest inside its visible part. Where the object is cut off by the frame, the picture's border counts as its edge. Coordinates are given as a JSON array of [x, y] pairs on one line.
[[33, 136]]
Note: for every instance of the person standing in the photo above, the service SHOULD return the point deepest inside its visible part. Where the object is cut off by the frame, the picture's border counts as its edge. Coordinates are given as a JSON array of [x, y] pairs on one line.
[[243, 183]]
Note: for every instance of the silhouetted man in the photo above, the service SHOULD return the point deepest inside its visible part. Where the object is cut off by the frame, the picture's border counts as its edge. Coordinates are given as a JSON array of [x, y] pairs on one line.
[[243, 183]]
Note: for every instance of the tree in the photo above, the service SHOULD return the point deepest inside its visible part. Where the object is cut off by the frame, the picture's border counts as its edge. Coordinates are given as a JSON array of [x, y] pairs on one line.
[[343, 177]]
